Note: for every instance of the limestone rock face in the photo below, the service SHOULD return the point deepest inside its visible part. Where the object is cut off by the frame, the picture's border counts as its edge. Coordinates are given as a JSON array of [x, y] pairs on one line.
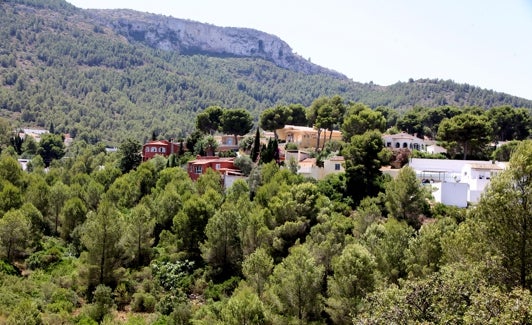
[[190, 37]]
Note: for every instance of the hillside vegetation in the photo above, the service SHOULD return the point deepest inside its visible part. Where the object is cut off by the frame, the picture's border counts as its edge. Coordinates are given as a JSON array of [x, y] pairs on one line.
[[89, 236], [67, 66], [82, 244]]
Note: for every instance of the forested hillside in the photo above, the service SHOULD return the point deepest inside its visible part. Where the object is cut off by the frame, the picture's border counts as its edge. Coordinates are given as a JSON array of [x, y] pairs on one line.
[[87, 242], [70, 67]]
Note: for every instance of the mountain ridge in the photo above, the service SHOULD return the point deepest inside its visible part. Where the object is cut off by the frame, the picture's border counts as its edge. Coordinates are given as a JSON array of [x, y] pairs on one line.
[[191, 37]]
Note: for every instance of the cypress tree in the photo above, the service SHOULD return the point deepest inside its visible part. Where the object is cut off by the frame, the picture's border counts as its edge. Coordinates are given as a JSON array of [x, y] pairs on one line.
[[256, 147]]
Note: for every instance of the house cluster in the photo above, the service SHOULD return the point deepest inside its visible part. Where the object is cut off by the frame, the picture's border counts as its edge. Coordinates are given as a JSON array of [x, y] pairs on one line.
[[201, 164], [452, 182]]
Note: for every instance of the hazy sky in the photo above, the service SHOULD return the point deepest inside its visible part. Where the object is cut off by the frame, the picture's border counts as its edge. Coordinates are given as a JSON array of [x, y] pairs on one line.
[[486, 43]]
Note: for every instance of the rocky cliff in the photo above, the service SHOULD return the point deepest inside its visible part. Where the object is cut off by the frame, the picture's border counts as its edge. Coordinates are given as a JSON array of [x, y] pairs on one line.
[[190, 37]]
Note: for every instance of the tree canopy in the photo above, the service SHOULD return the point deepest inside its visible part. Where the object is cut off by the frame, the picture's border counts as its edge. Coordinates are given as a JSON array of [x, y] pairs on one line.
[[465, 133], [236, 122]]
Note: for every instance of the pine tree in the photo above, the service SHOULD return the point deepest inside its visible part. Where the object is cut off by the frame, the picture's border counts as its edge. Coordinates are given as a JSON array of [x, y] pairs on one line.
[[101, 236]]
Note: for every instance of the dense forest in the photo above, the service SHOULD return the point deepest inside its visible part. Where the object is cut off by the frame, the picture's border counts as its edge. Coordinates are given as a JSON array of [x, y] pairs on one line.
[[103, 238], [59, 65], [89, 237]]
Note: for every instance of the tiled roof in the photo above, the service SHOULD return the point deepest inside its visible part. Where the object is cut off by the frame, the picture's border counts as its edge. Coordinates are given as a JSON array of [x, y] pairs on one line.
[[486, 166], [157, 143]]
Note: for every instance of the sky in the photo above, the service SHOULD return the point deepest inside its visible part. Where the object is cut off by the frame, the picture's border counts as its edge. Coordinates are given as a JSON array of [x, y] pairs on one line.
[[485, 43]]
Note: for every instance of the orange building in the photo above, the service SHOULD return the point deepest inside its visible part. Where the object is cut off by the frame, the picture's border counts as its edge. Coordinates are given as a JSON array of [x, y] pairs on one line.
[[199, 166], [159, 147]]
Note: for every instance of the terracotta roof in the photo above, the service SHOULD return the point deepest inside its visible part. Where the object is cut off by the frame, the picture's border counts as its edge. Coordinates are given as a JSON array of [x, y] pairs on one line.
[[486, 166], [305, 129], [209, 160], [402, 135], [308, 161], [157, 142]]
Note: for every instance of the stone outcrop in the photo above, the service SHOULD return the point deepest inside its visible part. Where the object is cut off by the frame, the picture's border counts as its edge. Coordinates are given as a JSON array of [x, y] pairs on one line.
[[190, 37]]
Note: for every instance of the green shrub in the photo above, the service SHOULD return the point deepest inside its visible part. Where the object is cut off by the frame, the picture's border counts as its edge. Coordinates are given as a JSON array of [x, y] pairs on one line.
[[102, 303], [51, 254], [62, 300], [85, 320], [168, 303], [122, 296], [221, 290], [26, 312], [143, 302], [173, 276], [290, 146], [8, 268], [426, 155]]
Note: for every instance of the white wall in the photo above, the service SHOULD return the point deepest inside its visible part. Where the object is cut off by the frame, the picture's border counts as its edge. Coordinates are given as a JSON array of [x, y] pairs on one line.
[[230, 179], [450, 193]]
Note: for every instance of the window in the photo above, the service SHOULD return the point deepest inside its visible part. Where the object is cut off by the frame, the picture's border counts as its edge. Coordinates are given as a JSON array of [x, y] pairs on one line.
[[197, 169], [153, 149], [397, 145], [147, 149], [217, 166], [336, 166], [388, 144], [162, 149], [230, 141]]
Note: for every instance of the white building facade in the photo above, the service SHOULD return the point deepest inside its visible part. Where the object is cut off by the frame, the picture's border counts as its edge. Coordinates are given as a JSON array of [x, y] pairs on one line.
[[456, 182]]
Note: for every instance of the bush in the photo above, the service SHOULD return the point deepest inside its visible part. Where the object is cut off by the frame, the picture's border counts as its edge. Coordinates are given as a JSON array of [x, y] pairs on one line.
[[426, 155], [51, 254], [143, 302], [173, 276], [219, 291], [26, 312], [62, 300], [290, 146], [102, 303], [85, 320], [8, 268], [122, 296], [245, 164]]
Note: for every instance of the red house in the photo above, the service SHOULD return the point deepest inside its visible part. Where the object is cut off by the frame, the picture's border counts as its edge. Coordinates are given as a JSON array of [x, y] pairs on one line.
[[159, 147], [200, 165]]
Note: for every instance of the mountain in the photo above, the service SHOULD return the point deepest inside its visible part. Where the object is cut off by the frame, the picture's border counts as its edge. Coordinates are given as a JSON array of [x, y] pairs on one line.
[[190, 37], [106, 75]]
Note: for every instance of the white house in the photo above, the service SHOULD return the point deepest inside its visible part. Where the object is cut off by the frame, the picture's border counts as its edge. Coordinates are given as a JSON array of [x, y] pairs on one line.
[[229, 178], [403, 140], [473, 176], [295, 155], [308, 167], [435, 149], [450, 193], [478, 176], [34, 133]]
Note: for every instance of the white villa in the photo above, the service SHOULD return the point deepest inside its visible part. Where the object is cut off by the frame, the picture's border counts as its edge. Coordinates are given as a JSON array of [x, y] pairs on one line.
[[456, 182], [308, 167], [404, 140]]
